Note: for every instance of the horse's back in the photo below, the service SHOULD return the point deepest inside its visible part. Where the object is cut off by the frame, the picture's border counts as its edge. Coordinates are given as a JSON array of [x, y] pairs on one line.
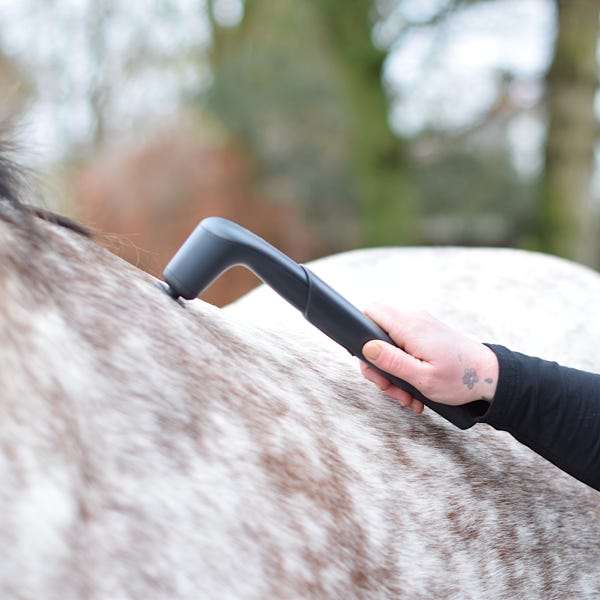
[[528, 301]]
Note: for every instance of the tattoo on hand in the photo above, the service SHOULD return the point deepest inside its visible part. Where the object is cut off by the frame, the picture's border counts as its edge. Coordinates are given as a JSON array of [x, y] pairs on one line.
[[470, 378]]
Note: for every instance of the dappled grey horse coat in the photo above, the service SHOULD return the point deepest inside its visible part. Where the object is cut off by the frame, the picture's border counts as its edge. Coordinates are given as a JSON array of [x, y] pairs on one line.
[[153, 451]]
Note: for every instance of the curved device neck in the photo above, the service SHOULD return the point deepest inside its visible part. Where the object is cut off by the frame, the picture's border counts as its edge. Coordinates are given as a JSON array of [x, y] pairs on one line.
[[217, 245]]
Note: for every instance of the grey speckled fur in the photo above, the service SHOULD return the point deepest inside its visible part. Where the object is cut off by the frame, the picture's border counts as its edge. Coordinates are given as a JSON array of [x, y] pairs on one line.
[[151, 451]]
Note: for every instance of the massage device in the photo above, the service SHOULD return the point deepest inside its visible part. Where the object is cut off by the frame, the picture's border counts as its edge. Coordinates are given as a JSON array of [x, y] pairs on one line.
[[218, 244]]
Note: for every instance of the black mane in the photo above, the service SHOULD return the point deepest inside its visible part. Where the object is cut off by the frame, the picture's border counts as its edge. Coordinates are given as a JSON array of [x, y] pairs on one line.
[[12, 176], [14, 184]]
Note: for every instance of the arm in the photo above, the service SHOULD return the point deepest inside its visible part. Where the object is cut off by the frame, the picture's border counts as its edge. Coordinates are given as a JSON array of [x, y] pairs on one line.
[[554, 410]]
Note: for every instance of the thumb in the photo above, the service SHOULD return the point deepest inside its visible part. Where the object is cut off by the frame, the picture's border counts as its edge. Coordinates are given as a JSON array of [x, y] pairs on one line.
[[390, 359]]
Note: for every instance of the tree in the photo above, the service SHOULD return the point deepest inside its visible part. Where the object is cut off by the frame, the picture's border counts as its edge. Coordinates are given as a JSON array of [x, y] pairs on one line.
[[567, 220], [388, 203], [301, 82]]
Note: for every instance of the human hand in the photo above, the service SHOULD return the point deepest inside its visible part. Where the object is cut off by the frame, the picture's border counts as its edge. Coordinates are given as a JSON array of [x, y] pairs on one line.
[[443, 364]]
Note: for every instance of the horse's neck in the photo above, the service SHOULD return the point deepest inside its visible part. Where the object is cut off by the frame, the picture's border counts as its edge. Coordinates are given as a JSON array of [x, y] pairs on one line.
[[67, 301]]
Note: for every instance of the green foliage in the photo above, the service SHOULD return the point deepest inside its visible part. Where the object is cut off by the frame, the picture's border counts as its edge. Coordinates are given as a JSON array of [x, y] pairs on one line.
[[300, 82], [275, 86], [473, 198], [388, 203]]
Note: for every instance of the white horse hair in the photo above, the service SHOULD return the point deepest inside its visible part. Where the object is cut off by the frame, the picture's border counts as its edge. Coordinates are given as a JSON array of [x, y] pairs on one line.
[[153, 451]]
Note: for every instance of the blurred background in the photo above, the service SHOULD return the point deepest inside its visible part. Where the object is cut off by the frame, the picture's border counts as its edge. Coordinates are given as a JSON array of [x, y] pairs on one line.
[[322, 125]]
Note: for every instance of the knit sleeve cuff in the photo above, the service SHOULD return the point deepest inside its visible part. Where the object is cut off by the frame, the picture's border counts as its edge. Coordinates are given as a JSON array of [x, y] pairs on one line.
[[498, 413]]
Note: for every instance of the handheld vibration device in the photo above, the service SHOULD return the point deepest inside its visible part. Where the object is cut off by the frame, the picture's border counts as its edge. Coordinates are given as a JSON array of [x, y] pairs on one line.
[[218, 244]]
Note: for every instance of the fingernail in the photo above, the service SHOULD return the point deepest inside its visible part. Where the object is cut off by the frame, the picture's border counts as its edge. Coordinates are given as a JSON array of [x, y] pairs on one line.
[[372, 350]]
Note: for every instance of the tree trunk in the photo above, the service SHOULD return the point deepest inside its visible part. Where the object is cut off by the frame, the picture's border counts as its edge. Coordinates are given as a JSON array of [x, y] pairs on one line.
[[318, 57], [387, 198], [567, 219]]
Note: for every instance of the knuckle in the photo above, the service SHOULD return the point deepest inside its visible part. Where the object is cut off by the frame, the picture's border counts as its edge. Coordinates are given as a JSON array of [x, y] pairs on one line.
[[428, 382], [393, 361]]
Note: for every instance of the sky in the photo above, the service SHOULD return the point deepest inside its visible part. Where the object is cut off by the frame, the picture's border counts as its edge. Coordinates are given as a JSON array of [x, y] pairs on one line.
[[441, 77], [58, 42], [447, 74], [444, 77]]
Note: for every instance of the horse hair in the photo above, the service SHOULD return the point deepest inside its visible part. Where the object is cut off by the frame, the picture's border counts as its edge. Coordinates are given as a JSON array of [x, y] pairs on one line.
[[14, 181], [12, 176]]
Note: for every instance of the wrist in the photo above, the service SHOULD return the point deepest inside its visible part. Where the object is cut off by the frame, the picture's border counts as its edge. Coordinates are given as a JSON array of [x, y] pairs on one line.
[[479, 373], [489, 374]]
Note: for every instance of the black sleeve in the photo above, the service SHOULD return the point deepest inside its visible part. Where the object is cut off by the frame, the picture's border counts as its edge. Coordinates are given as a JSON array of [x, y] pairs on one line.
[[554, 410]]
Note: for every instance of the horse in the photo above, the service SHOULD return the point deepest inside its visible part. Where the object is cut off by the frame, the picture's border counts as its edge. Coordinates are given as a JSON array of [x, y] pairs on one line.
[[152, 449]]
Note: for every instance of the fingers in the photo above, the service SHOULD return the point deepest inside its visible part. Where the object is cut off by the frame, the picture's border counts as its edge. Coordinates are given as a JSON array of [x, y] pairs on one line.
[[404, 398], [395, 321], [392, 360], [385, 316], [390, 390], [374, 376]]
